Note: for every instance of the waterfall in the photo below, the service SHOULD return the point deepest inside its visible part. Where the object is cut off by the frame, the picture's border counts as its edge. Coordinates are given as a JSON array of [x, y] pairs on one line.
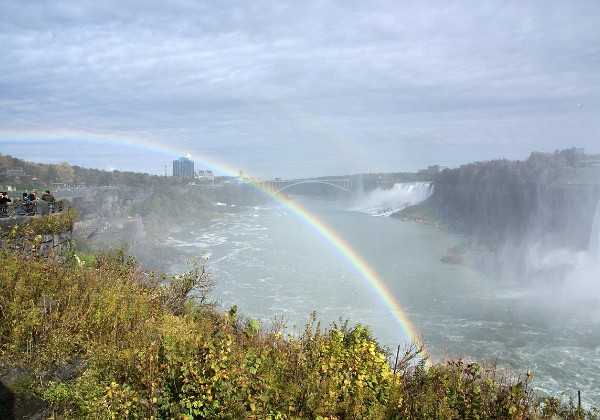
[[594, 244], [380, 202]]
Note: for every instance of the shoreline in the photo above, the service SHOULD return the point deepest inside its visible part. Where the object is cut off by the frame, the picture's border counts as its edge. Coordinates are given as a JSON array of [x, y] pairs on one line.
[[145, 236]]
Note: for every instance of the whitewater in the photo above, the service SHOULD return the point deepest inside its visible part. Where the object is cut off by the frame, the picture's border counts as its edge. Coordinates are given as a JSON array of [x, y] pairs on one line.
[[277, 269], [385, 202]]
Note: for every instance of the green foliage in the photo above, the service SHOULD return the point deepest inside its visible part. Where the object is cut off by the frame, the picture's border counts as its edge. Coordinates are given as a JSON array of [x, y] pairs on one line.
[[175, 292], [466, 390], [54, 223], [150, 350]]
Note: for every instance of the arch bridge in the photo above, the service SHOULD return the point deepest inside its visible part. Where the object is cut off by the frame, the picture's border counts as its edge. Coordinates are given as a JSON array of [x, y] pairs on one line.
[[350, 185]]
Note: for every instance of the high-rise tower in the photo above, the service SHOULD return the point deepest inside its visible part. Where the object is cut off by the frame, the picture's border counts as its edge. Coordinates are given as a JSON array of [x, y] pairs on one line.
[[183, 167]]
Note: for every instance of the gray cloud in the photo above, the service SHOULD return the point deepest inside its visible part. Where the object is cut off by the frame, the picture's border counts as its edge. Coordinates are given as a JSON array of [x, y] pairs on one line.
[[323, 87]]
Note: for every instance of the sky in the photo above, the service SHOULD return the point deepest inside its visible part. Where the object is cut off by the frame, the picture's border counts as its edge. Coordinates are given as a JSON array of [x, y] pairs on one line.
[[297, 89]]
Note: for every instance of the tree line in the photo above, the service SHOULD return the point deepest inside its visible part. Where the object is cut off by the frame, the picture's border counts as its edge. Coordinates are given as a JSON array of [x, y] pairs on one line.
[[499, 201], [22, 173]]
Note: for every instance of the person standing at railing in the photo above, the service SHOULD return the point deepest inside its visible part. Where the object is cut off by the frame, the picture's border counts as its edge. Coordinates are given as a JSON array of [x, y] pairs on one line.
[[49, 198], [4, 200]]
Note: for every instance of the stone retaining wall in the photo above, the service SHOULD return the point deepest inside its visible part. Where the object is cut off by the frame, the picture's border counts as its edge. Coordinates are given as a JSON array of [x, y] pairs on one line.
[[46, 245]]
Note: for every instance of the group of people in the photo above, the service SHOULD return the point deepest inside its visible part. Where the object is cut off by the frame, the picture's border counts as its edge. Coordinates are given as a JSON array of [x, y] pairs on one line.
[[27, 202]]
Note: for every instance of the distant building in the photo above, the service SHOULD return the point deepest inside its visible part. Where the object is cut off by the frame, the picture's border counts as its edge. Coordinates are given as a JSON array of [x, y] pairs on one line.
[[228, 180], [433, 169], [205, 176], [183, 168]]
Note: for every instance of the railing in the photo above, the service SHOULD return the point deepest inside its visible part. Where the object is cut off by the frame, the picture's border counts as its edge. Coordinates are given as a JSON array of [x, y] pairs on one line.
[[18, 208]]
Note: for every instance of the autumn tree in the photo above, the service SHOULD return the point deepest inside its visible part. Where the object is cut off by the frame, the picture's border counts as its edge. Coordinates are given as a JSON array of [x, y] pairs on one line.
[[65, 172]]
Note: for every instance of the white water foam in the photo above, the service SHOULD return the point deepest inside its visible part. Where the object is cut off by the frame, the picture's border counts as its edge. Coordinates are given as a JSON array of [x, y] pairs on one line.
[[380, 202], [203, 241]]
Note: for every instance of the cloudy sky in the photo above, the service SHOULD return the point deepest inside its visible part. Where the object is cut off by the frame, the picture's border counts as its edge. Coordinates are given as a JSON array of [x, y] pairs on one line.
[[288, 89]]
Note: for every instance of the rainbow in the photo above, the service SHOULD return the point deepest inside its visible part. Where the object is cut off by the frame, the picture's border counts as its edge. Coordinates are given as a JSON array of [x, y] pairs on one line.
[[405, 327]]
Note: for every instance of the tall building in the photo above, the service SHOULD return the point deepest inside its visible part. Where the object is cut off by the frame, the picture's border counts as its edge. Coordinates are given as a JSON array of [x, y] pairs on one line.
[[183, 167]]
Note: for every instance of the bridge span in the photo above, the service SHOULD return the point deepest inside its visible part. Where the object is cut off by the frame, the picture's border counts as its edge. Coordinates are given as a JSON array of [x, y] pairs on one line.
[[348, 184]]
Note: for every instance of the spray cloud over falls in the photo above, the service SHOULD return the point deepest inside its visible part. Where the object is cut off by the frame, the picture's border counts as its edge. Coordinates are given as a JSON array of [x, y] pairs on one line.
[[594, 244], [582, 283], [385, 202], [560, 274]]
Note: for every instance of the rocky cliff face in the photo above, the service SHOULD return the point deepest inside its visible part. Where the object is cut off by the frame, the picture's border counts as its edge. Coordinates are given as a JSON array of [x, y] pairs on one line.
[[103, 202], [105, 217], [560, 215]]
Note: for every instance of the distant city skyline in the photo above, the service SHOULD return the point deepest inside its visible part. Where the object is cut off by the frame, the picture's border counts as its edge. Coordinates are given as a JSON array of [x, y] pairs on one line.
[[292, 89]]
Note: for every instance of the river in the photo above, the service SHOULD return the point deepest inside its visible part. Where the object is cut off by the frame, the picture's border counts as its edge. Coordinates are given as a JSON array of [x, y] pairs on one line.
[[273, 265]]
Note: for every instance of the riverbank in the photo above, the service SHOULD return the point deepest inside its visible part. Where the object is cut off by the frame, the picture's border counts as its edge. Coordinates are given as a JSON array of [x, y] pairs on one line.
[[145, 236]]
